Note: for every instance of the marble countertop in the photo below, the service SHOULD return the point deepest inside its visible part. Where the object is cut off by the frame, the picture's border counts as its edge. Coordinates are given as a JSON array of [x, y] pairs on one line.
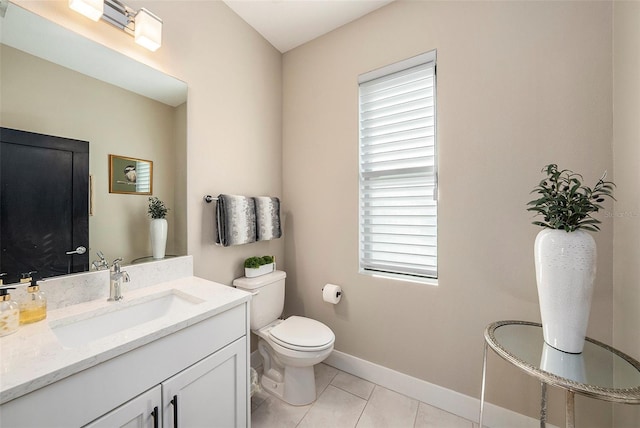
[[33, 357]]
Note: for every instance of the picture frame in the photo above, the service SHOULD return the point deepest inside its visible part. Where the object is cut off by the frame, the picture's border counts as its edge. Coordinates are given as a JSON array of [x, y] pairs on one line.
[[130, 176]]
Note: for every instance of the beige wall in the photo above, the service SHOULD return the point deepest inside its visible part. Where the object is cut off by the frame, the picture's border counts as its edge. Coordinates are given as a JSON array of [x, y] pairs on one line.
[[520, 85], [234, 122], [233, 112], [626, 157], [43, 97]]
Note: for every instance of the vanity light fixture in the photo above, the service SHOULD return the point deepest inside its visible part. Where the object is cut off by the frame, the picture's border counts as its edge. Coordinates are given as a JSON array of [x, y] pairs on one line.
[[92, 9], [143, 25], [148, 30]]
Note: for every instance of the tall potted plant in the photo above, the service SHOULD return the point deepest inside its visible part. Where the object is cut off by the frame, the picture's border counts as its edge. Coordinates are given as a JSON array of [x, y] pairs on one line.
[[565, 253], [158, 227]]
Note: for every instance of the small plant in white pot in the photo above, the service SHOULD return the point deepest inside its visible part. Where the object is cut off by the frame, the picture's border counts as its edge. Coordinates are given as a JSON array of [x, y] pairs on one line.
[[565, 253], [158, 227], [256, 266]]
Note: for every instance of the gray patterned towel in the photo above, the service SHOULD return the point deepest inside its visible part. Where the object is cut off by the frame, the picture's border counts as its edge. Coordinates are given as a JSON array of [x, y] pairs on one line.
[[267, 218], [236, 220]]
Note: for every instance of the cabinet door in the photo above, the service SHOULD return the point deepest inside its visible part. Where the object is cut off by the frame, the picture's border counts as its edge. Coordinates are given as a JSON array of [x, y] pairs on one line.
[[211, 393], [141, 412]]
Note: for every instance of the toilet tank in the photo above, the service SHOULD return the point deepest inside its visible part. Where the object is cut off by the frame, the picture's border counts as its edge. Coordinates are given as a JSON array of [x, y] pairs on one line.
[[267, 303]]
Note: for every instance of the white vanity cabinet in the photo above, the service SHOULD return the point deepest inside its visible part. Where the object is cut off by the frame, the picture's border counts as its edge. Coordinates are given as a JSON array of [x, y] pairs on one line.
[[204, 366], [211, 393]]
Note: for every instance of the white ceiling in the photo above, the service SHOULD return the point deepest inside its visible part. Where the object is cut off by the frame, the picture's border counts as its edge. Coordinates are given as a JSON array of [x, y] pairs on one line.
[[287, 24]]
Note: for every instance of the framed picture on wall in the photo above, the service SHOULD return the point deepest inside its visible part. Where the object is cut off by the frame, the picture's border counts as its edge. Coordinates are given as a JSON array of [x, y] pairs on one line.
[[130, 175]]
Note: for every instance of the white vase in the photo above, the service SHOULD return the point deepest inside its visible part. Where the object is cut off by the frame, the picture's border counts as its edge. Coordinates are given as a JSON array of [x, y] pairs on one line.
[[158, 234], [565, 271]]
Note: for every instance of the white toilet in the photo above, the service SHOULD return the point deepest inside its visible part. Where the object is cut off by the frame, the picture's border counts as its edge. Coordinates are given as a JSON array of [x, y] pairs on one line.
[[289, 348]]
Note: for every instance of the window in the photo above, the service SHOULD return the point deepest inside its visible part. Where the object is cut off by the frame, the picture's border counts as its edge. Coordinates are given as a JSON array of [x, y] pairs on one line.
[[143, 176], [398, 170]]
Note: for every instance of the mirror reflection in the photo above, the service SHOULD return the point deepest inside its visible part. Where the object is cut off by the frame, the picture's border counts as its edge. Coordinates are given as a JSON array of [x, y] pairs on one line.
[[44, 94], [49, 231]]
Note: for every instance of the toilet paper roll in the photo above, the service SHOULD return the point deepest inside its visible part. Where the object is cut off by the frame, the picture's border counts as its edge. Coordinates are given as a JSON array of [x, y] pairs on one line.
[[331, 293]]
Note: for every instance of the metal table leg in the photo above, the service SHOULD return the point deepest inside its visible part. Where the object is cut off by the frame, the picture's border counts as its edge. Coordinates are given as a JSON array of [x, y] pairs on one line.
[[543, 405], [569, 412], [484, 378]]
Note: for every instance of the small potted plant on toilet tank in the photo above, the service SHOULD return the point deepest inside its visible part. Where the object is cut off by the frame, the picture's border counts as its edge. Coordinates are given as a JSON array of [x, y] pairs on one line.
[[256, 266]]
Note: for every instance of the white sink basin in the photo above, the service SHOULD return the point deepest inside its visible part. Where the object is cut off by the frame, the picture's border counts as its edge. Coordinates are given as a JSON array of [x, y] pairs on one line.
[[119, 316]]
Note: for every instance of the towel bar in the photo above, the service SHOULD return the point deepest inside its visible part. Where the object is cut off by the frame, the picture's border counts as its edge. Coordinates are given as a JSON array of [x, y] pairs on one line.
[[208, 199]]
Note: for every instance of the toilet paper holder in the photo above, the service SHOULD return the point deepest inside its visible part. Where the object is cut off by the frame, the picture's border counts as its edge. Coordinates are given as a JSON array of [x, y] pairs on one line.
[[339, 293], [332, 293]]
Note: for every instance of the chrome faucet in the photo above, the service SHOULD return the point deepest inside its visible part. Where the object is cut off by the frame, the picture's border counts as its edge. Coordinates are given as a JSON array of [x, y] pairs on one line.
[[118, 276], [102, 263]]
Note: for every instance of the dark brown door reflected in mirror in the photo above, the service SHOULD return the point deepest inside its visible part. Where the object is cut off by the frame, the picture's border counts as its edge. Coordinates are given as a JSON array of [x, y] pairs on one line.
[[44, 214]]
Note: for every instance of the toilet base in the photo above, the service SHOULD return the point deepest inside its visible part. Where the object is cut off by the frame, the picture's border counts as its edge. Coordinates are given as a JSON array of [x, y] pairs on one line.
[[298, 387], [289, 374]]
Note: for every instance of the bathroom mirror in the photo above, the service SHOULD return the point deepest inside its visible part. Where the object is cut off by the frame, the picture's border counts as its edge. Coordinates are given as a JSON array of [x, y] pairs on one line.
[[56, 82]]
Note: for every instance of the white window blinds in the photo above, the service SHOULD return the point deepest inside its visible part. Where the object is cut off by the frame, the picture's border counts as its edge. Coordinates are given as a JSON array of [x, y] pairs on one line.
[[143, 176], [398, 169]]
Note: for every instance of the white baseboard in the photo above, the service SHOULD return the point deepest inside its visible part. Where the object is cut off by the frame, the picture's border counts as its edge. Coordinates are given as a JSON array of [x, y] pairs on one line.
[[434, 395]]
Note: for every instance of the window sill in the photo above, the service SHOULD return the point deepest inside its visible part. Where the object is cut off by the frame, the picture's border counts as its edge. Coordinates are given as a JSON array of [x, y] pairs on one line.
[[399, 277]]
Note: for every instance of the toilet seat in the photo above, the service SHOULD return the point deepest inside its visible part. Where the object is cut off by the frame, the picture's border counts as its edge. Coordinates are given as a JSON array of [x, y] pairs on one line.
[[302, 334]]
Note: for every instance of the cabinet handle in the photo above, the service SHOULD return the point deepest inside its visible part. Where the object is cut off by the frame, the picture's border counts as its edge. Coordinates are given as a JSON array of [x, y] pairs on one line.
[[175, 411], [154, 415]]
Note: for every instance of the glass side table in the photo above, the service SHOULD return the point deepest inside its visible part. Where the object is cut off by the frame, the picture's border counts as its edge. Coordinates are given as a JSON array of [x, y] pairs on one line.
[[599, 372]]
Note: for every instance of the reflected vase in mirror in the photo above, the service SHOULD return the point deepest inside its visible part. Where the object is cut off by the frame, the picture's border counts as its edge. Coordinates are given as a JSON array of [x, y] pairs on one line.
[[158, 233], [563, 364], [158, 229]]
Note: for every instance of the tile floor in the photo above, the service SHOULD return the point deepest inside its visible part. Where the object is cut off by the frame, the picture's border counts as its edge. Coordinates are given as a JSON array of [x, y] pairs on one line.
[[346, 401]]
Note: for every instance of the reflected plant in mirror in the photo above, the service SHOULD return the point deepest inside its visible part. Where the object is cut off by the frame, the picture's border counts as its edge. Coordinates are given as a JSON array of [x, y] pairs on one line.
[[157, 208]]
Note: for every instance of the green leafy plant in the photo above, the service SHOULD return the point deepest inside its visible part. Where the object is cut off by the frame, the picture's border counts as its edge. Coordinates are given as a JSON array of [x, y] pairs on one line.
[[253, 262], [565, 203], [256, 262], [157, 208]]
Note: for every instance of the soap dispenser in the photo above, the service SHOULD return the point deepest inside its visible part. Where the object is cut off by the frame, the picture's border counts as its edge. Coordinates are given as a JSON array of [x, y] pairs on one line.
[[9, 312], [34, 307]]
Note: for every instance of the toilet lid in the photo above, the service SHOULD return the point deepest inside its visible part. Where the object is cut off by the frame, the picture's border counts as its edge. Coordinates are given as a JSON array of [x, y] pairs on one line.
[[300, 332]]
